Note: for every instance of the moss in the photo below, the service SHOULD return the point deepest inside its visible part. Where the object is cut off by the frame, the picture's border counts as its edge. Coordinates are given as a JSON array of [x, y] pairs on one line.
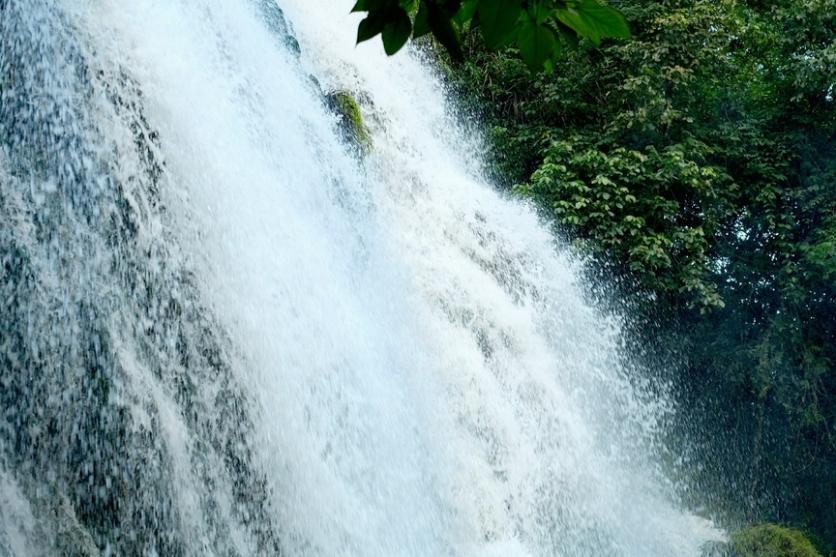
[[771, 540], [351, 119]]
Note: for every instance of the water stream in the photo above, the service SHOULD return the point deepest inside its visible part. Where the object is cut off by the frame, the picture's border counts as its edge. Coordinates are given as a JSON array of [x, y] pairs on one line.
[[225, 330]]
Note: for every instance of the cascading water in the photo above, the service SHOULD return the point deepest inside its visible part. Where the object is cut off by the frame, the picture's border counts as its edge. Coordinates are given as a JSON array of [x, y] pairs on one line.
[[223, 331]]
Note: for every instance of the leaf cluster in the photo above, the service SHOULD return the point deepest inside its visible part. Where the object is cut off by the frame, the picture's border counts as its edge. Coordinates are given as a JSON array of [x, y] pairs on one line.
[[537, 29]]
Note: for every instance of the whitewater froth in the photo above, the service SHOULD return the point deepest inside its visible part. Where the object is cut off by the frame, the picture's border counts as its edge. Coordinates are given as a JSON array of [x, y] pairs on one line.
[[262, 343]]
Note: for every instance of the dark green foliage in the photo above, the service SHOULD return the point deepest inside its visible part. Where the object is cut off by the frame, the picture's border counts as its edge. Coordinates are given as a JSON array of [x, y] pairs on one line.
[[628, 204], [697, 163], [535, 27], [498, 18]]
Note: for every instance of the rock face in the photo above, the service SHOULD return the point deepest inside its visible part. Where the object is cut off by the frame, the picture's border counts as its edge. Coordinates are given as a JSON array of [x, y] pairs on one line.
[[346, 107], [274, 18]]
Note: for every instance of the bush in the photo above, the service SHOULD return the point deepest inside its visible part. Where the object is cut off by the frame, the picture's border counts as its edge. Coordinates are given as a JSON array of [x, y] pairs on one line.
[[771, 540]]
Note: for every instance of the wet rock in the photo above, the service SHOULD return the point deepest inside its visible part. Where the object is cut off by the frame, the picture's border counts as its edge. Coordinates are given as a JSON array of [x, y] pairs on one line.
[[351, 123], [276, 22]]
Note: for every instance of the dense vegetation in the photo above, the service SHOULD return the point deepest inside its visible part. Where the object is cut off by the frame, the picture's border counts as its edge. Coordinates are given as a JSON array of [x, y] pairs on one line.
[[696, 164]]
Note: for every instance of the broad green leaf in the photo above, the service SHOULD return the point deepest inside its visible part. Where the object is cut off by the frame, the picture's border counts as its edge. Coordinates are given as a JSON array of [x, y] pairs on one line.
[[369, 5], [421, 25], [497, 19], [536, 44], [466, 12], [566, 33], [540, 11], [370, 26], [444, 29], [396, 31], [594, 20]]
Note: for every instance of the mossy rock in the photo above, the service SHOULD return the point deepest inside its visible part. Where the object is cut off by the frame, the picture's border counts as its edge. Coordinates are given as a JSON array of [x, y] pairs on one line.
[[345, 106], [771, 540]]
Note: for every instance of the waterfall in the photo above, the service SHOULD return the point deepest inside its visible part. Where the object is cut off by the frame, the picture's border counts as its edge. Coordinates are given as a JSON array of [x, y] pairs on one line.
[[225, 330]]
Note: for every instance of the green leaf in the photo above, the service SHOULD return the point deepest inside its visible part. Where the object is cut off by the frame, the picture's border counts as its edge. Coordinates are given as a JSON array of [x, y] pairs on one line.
[[444, 29], [370, 26], [536, 44], [594, 20], [497, 19], [466, 11], [396, 31], [369, 5], [421, 25], [539, 11], [566, 33]]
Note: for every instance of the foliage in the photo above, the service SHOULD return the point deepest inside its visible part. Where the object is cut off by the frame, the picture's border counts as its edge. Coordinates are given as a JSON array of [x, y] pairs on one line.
[[697, 164], [537, 28], [770, 540], [628, 207]]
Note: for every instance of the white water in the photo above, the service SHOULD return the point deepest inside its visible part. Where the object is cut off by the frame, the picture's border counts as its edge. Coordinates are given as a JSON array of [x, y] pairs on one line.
[[409, 366]]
